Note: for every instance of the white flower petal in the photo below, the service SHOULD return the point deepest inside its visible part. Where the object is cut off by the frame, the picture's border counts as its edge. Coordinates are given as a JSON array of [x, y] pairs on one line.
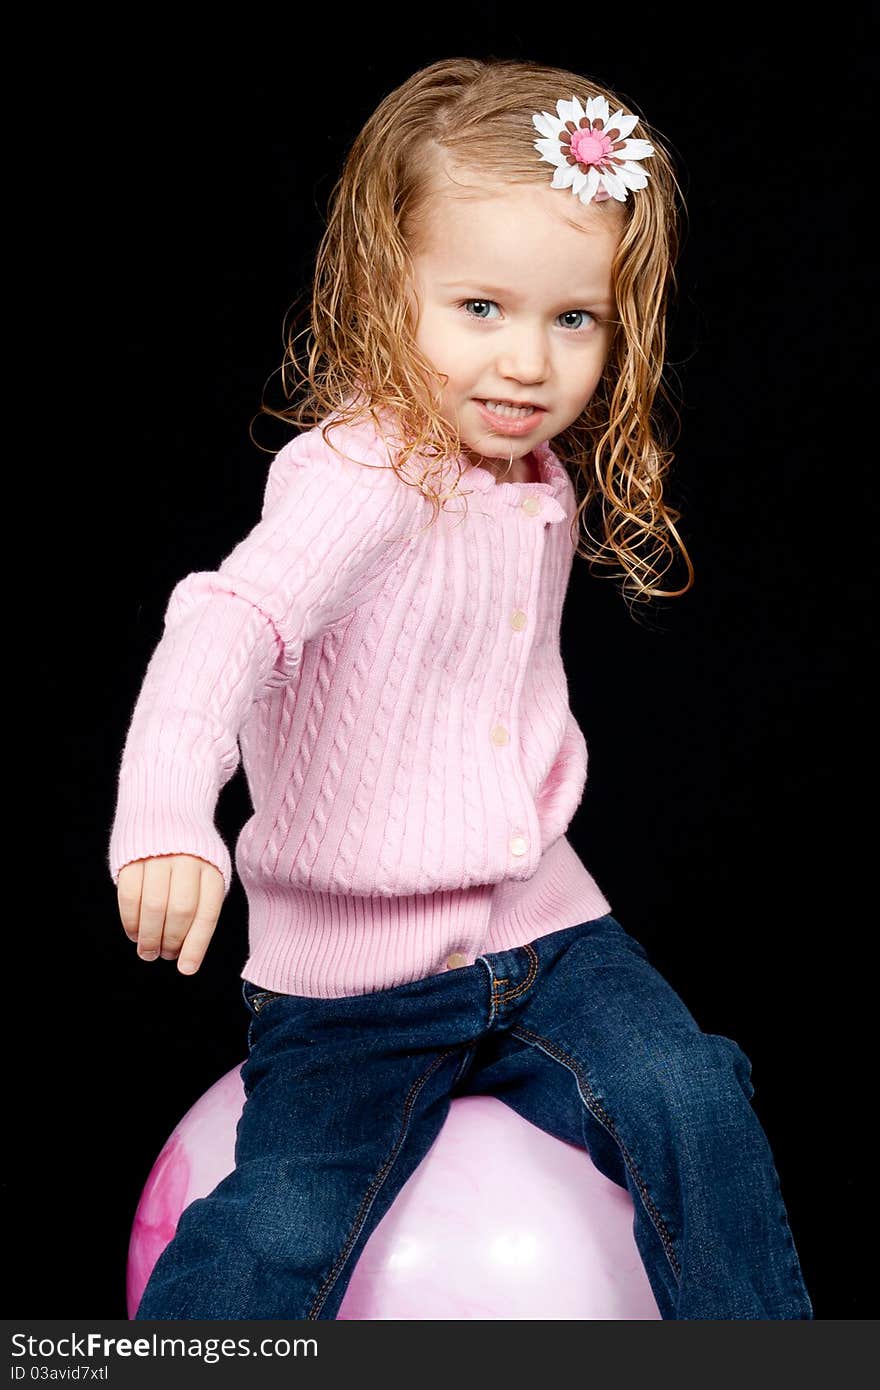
[[580, 179], [587, 187], [563, 175], [550, 150], [598, 107], [636, 149], [569, 110], [632, 175], [546, 124], [613, 185], [623, 123]]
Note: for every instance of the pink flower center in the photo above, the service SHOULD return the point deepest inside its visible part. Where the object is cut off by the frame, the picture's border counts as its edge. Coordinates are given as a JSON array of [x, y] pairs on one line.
[[590, 146]]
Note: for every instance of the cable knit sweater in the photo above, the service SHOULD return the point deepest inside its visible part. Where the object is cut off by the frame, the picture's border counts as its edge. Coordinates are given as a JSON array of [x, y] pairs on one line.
[[396, 693]]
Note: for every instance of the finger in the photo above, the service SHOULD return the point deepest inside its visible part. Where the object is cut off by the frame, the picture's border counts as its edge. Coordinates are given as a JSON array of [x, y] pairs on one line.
[[198, 938], [154, 902], [183, 901], [129, 882]]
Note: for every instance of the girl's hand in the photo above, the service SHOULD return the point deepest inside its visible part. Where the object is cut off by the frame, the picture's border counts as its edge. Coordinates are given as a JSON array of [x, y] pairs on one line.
[[169, 904]]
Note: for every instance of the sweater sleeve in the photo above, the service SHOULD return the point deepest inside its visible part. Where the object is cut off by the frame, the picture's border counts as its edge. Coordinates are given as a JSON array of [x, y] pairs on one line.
[[231, 634]]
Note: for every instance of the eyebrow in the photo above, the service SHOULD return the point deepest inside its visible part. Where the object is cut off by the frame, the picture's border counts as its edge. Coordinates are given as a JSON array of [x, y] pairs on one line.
[[509, 294]]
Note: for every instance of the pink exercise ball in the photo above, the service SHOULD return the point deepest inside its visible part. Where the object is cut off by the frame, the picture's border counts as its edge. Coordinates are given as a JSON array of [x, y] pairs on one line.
[[499, 1221]]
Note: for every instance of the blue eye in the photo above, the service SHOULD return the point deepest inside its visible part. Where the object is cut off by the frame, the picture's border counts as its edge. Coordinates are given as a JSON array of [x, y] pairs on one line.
[[490, 303], [477, 301], [585, 313]]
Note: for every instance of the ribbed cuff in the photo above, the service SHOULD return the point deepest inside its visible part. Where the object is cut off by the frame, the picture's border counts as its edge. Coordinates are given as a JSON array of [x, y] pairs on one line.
[[166, 808]]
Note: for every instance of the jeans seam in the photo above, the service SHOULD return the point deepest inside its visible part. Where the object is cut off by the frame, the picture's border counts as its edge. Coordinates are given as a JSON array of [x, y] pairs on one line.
[[596, 1108], [321, 1296]]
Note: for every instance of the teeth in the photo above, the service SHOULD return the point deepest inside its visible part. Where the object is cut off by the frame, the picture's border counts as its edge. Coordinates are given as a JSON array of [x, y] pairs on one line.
[[518, 412]]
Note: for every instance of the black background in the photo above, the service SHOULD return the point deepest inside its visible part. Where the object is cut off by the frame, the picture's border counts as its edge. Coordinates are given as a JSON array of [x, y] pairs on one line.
[[178, 203]]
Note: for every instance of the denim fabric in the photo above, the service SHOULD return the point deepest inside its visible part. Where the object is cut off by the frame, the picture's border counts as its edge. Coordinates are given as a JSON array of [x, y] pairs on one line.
[[578, 1033]]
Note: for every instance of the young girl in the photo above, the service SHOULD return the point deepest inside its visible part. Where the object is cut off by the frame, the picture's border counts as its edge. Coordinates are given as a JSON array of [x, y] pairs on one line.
[[488, 325]]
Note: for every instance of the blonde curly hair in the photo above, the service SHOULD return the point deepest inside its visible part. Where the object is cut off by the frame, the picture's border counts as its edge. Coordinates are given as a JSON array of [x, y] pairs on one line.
[[362, 355]]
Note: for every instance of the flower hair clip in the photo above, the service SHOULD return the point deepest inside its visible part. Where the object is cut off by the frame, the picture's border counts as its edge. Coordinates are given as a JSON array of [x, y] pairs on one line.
[[592, 154]]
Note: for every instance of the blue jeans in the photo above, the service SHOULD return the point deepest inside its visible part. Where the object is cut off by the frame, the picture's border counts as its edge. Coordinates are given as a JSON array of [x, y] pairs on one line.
[[578, 1033]]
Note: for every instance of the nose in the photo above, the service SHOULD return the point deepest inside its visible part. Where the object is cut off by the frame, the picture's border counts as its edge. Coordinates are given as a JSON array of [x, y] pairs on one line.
[[524, 355]]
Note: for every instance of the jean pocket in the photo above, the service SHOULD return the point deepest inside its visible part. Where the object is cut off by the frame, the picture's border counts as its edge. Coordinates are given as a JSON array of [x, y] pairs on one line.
[[256, 997]]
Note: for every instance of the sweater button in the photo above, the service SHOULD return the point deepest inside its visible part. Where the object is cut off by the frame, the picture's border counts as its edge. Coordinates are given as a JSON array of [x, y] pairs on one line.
[[531, 506], [519, 620], [519, 844], [455, 960], [499, 734]]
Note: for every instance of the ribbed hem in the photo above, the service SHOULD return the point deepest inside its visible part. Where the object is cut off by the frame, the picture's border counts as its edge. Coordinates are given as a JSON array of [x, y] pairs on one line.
[[562, 893], [328, 945]]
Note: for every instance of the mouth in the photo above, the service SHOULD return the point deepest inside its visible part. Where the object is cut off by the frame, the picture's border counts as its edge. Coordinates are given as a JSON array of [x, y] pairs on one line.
[[510, 417], [514, 405]]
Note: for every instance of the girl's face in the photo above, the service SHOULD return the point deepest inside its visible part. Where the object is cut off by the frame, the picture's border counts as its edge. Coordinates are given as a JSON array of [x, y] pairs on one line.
[[514, 305]]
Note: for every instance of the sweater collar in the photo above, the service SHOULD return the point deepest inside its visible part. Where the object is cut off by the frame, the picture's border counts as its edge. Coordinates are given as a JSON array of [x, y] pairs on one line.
[[555, 490]]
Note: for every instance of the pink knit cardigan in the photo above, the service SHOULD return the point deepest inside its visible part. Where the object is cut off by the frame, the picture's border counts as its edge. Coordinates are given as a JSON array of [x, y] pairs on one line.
[[396, 694]]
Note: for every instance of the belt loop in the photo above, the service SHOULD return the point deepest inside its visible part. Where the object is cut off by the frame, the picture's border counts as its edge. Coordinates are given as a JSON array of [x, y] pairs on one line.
[[493, 998]]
